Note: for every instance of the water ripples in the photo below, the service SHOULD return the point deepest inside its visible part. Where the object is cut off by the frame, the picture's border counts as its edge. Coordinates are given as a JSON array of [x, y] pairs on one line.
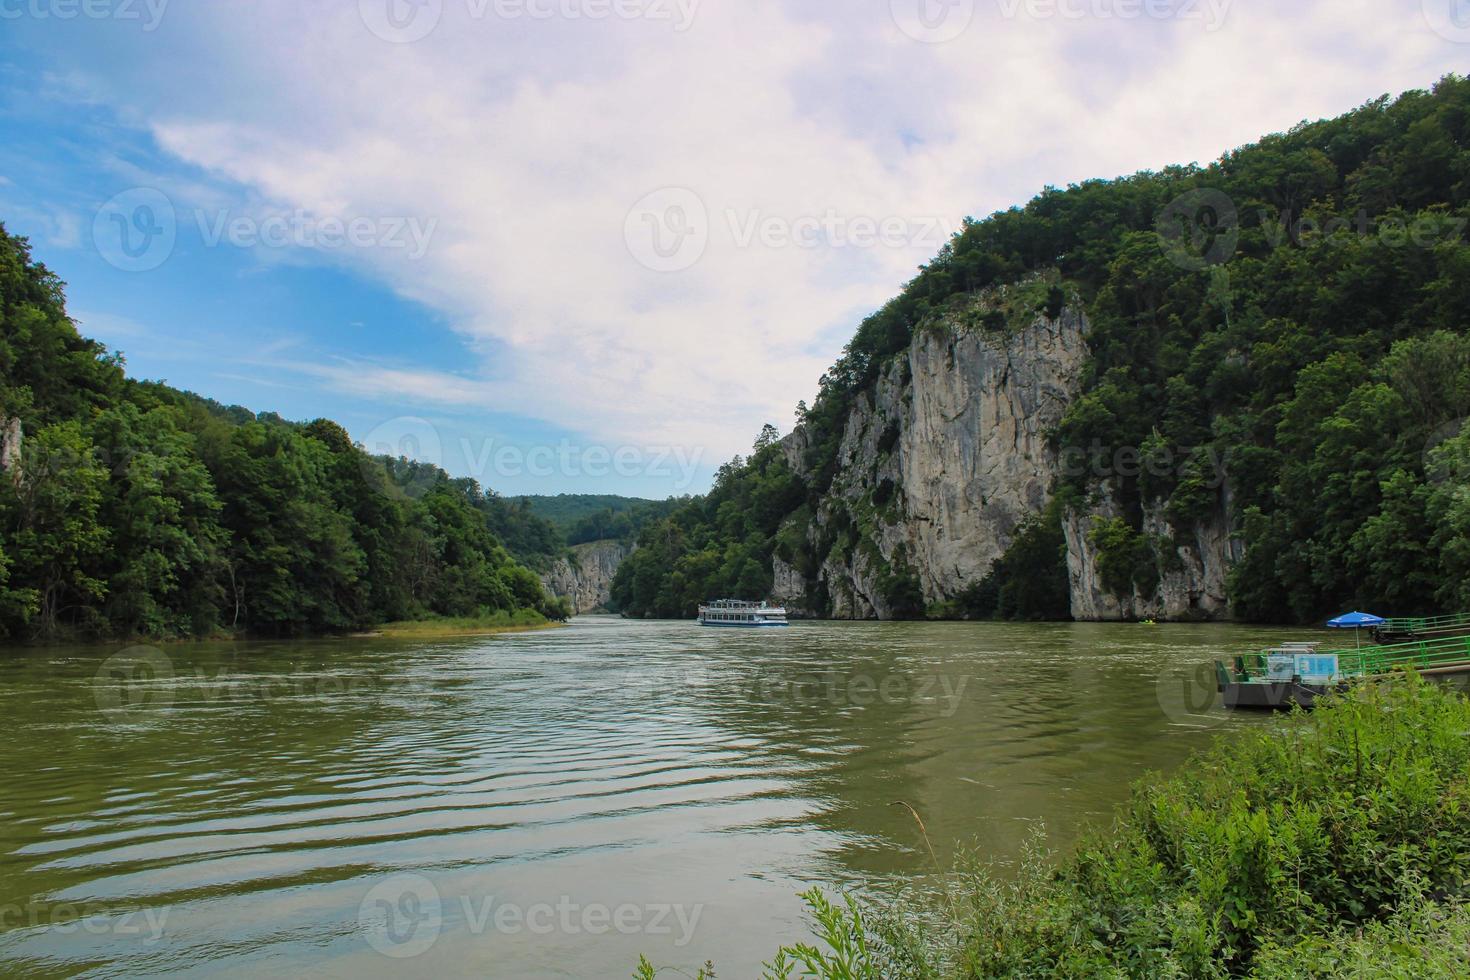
[[256, 793]]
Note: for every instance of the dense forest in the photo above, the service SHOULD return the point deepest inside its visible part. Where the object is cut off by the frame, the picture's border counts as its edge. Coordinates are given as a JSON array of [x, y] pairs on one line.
[[130, 508], [1289, 320]]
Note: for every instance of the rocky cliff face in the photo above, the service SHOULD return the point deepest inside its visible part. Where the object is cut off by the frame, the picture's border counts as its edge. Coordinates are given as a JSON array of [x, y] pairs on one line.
[[1194, 567], [948, 455], [11, 438], [586, 577]]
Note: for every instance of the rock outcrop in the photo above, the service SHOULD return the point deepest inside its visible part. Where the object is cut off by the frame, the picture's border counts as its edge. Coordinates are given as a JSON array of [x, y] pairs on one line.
[[1194, 568], [949, 453], [945, 459], [11, 439], [585, 577]]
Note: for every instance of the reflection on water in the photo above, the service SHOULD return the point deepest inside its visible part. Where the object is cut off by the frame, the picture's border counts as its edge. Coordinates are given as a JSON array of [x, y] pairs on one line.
[[547, 804]]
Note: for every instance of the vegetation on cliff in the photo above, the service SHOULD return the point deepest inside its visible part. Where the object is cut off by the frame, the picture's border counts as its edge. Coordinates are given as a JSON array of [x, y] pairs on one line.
[[1329, 844], [1278, 341], [134, 509]]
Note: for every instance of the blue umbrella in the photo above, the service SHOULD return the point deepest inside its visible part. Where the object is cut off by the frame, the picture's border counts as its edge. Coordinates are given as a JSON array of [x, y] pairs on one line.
[[1356, 621]]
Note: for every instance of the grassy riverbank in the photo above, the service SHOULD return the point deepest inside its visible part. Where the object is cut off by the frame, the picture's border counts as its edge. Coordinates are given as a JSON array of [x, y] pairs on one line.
[[1329, 844], [501, 621]]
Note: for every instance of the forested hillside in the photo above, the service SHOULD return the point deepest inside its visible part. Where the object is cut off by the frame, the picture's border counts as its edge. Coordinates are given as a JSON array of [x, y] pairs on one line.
[[1279, 337], [580, 518], [134, 509]]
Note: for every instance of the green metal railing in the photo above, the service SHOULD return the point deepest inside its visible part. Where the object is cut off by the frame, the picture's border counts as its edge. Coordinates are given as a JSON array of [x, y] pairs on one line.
[[1421, 624], [1420, 655], [1371, 660]]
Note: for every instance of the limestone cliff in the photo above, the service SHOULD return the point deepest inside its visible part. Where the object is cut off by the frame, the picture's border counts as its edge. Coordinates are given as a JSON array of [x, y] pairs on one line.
[[1193, 564], [948, 454], [11, 439], [585, 577]]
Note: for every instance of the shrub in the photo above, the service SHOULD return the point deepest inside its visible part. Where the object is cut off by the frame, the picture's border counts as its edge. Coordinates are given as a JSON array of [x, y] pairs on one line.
[[1323, 845]]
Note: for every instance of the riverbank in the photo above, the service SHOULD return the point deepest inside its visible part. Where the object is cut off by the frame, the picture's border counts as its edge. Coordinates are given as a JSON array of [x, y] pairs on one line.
[[1325, 844], [524, 621]]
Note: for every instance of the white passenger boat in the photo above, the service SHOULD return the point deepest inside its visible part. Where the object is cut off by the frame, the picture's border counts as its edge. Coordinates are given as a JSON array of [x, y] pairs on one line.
[[738, 612]]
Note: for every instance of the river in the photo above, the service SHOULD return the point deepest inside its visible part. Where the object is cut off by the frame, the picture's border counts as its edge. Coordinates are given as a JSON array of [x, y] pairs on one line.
[[554, 803]]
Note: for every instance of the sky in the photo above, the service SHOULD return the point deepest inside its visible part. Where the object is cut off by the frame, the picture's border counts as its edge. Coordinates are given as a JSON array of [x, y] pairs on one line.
[[594, 245]]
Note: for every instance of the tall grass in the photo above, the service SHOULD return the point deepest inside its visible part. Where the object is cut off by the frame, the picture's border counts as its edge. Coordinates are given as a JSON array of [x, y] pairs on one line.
[[1327, 844], [497, 621]]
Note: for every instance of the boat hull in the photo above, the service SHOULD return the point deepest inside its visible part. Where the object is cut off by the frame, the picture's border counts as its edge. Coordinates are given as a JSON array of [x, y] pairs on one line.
[[746, 626], [1278, 696]]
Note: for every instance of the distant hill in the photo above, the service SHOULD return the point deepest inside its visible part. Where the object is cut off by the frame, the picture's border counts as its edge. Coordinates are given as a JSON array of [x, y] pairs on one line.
[[566, 509], [583, 517]]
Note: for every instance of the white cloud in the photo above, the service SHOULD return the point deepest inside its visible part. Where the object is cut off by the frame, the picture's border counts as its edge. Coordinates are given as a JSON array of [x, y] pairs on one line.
[[529, 141]]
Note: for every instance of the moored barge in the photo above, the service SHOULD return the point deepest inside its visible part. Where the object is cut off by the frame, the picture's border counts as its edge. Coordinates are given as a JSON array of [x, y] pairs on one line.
[[1299, 673]]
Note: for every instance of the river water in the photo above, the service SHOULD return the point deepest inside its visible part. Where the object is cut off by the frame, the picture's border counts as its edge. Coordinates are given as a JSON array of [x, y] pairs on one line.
[[554, 803]]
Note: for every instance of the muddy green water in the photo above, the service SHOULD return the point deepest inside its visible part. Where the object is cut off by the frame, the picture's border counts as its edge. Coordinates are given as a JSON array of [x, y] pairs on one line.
[[548, 804]]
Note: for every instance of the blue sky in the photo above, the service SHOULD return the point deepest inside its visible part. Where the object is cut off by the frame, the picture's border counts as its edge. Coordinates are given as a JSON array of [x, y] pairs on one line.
[[562, 245]]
